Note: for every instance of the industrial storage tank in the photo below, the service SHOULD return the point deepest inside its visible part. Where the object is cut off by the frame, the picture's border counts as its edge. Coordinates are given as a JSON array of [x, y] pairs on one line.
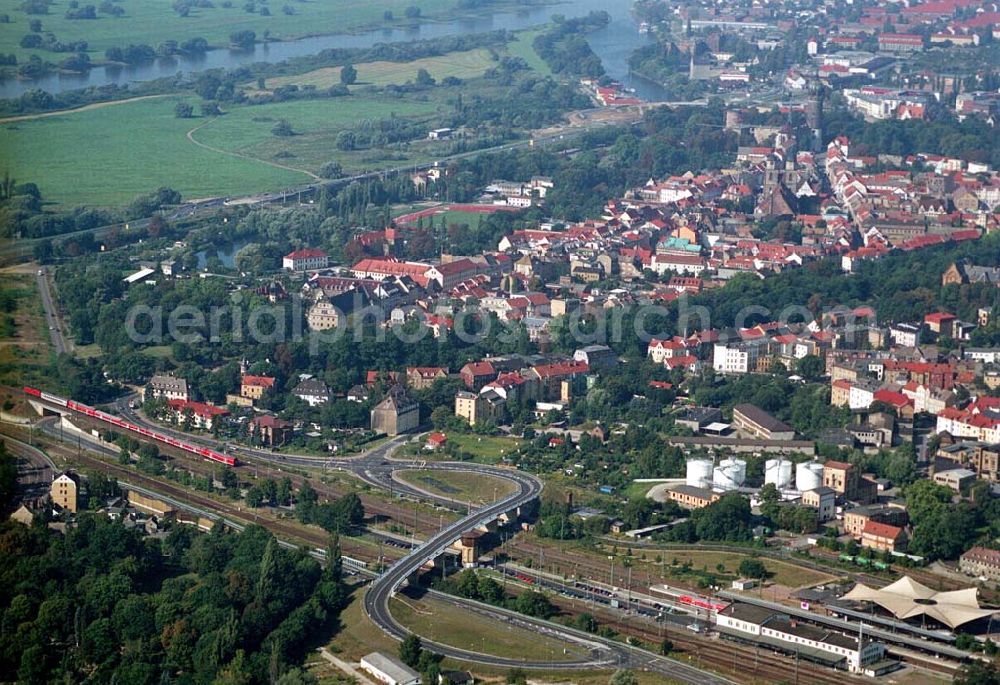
[[738, 468], [730, 474], [778, 472], [808, 476], [699, 473]]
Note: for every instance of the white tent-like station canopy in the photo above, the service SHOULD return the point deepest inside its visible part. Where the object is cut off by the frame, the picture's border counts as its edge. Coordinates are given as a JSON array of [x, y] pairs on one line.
[[906, 598]]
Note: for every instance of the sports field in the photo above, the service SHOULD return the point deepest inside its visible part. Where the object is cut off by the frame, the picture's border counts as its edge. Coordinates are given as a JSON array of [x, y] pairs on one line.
[[154, 21], [463, 65], [108, 156]]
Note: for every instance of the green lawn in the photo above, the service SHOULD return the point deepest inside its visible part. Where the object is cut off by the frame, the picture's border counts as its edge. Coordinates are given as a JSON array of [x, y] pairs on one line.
[[153, 21], [450, 217], [463, 65], [109, 155]]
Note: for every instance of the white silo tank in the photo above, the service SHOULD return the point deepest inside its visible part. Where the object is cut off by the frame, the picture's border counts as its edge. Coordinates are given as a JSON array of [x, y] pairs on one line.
[[808, 476], [737, 468], [785, 471], [778, 472], [724, 478], [699, 473]]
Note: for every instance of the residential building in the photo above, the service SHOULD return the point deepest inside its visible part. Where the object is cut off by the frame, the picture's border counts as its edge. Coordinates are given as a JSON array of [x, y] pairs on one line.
[[883, 537], [270, 430], [254, 387], [596, 356], [846, 481], [64, 491], [166, 387], [855, 519], [312, 391], [200, 414], [486, 406], [422, 377], [823, 500], [397, 413]]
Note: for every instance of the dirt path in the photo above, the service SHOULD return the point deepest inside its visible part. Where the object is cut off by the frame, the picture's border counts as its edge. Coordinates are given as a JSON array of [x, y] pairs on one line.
[[74, 110], [190, 136]]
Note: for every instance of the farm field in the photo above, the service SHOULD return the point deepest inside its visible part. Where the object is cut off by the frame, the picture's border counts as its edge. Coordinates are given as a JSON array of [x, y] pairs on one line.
[[459, 485], [108, 156], [154, 21], [463, 65]]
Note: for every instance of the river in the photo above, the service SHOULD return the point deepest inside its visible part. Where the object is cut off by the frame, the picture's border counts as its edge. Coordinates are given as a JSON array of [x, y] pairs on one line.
[[613, 44]]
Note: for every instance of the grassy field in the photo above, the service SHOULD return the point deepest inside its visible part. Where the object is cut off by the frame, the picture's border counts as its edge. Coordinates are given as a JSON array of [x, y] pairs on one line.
[[154, 21], [486, 449], [463, 65], [25, 345], [108, 156], [247, 130], [439, 621], [459, 485], [521, 47], [782, 573]]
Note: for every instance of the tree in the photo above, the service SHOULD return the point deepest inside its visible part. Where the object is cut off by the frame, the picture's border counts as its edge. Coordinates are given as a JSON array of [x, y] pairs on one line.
[[516, 676], [183, 110], [412, 12], [809, 367], [331, 170], [243, 39], [410, 650], [348, 75], [282, 129], [666, 647], [424, 78], [753, 568], [978, 673]]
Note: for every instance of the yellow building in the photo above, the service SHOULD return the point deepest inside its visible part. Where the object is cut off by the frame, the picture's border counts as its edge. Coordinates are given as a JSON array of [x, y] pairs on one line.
[[64, 492]]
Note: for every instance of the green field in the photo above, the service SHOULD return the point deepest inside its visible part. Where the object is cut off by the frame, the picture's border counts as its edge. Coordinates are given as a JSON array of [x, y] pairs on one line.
[[108, 155], [440, 621], [486, 449], [521, 47], [154, 21], [247, 130], [459, 485], [463, 65]]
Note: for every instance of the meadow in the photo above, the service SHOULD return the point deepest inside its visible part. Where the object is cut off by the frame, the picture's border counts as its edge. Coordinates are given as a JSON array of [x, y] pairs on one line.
[[154, 21], [108, 156], [463, 65]]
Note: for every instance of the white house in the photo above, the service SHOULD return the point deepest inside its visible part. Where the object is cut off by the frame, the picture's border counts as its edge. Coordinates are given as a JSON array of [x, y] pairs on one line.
[[304, 260], [388, 670]]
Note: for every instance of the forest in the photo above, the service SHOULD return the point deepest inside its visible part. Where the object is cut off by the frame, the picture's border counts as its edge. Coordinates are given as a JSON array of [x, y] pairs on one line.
[[104, 604]]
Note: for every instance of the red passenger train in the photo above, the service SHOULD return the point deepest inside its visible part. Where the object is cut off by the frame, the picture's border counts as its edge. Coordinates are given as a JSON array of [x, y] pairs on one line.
[[204, 452]]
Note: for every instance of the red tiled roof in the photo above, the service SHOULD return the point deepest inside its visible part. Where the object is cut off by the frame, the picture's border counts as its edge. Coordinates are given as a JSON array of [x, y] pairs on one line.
[[265, 381], [882, 530]]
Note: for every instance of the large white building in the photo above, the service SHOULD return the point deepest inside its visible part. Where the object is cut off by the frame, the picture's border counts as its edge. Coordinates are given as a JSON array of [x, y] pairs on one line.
[[388, 670], [737, 357], [764, 626]]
